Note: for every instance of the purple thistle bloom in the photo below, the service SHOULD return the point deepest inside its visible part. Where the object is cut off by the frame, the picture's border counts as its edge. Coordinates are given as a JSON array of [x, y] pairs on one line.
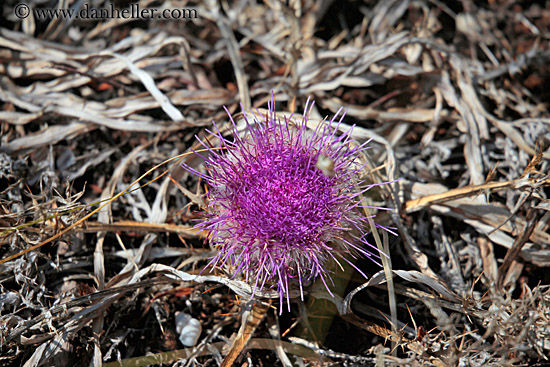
[[284, 200]]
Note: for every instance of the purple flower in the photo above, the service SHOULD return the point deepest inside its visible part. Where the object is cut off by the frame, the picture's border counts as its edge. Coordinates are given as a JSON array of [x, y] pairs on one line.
[[284, 200]]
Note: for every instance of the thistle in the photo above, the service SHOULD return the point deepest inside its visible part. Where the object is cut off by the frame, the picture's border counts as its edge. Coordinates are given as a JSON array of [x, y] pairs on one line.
[[283, 200]]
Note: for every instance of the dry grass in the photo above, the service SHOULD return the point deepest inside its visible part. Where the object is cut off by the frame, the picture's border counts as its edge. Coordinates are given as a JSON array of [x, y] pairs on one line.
[[454, 96]]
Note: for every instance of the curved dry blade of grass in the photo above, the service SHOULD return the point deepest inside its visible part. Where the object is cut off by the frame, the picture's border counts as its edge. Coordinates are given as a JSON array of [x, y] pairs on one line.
[[175, 355], [386, 262]]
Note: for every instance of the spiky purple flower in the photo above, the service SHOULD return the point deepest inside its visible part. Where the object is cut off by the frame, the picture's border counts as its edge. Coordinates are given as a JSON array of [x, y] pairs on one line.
[[284, 200]]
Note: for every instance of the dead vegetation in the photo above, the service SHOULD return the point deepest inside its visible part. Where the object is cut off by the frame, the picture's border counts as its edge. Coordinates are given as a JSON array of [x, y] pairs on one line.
[[97, 238]]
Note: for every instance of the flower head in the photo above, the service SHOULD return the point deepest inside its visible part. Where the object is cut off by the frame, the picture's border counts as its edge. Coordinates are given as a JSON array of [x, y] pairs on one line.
[[284, 200]]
